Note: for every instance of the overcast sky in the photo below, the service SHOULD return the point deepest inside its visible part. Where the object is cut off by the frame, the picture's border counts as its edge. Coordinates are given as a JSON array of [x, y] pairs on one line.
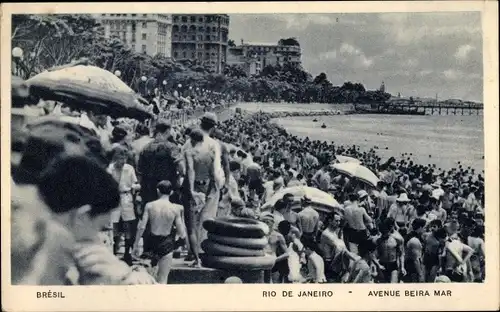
[[417, 54]]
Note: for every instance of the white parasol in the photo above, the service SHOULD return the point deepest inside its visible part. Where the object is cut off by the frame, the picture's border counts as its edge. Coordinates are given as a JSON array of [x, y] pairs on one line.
[[358, 171], [91, 88], [347, 159], [319, 200]]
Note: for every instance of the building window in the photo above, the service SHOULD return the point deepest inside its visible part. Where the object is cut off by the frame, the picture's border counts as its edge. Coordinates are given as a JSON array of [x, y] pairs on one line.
[[144, 15], [144, 48], [200, 55], [193, 55], [175, 54], [184, 19], [133, 47], [214, 29], [193, 19], [200, 37], [103, 14], [184, 54], [193, 37], [144, 36], [207, 38], [200, 19], [134, 14], [200, 29], [144, 25], [176, 19], [184, 28]]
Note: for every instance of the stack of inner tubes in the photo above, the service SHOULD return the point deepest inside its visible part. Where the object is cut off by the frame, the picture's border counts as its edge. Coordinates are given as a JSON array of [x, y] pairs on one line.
[[236, 244]]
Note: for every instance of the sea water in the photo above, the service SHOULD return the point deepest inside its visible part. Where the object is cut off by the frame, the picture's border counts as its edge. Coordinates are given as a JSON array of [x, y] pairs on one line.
[[441, 140]]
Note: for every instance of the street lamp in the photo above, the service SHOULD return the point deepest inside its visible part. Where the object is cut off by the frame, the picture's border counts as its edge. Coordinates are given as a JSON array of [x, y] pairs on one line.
[[118, 73], [164, 82], [143, 78], [17, 55]]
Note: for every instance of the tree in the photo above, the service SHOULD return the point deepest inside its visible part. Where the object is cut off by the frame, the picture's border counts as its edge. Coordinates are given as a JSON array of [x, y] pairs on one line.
[[231, 43], [289, 41], [53, 40]]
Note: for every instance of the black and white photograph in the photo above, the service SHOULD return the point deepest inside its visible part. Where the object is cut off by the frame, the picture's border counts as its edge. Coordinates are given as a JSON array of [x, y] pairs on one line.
[[277, 148]]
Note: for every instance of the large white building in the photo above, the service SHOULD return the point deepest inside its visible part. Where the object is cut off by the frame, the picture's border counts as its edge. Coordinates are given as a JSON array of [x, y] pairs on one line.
[[144, 33]]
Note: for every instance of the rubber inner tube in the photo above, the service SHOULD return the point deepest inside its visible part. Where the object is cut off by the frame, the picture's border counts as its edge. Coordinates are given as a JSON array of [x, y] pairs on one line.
[[236, 227], [250, 243], [215, 249], [239, 263]]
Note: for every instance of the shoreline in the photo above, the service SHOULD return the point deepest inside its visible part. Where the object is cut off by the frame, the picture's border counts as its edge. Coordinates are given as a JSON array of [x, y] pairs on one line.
[[381, 150]]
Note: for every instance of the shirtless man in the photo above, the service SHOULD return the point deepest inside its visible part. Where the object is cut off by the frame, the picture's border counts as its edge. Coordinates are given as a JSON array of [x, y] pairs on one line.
[[333, 249], [438, 211], [290, 215], [309, 221], [414, 253], [433, 244], [357, 223], [165, 220], [276, 246], [456, 260], [390, 250], [204, 179], [399, 211], [361, 271]]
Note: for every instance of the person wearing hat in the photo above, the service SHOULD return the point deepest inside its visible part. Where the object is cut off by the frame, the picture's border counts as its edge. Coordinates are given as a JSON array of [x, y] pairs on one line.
[[400, 212], [83, 196], [437, 211], [276, 243]]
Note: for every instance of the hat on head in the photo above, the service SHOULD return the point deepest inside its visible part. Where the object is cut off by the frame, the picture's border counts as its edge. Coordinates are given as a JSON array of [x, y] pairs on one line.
[[210, 118], [403, 198], [362, 194], [267, 217]]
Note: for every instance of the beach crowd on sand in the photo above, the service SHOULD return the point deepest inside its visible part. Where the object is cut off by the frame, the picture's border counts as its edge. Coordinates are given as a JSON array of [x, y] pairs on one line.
[[92, 202]]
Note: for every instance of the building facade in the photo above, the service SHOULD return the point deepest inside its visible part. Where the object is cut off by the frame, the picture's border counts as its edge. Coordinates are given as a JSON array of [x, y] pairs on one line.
[[201, 38], [254, 56], [237, 57], [143, 33]]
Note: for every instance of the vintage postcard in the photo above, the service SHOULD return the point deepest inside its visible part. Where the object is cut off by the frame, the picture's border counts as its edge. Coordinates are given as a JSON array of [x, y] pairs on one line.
[[250, 156]]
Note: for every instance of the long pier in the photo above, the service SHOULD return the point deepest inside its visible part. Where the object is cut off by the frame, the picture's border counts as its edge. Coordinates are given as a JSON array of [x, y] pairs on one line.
[[434, 108]]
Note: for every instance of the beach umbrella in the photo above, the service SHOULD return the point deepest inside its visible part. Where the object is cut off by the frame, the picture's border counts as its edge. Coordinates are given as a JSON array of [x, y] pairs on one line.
[[347, 159], [90, 88], [319, 200], [358, 171]]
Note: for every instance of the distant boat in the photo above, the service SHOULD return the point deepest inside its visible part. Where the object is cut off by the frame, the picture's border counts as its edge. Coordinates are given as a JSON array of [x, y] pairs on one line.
[[315, 120], [323, 126]]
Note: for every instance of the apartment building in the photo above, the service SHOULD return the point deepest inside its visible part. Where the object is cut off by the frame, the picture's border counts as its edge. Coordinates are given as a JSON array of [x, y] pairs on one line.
[[144, 33], [201, 38]]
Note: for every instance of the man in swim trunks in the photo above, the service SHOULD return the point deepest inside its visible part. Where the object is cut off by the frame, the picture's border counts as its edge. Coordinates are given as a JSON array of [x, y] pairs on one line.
[[390, 250], [276, 247], [433, 244], [333, 249], [165, 220], [309, 221], [357, 223], [290, 215], [204, 179], [414, 253]]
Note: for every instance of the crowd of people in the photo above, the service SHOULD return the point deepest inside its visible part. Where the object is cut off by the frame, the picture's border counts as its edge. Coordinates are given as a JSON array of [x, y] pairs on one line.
[[79, 191]]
